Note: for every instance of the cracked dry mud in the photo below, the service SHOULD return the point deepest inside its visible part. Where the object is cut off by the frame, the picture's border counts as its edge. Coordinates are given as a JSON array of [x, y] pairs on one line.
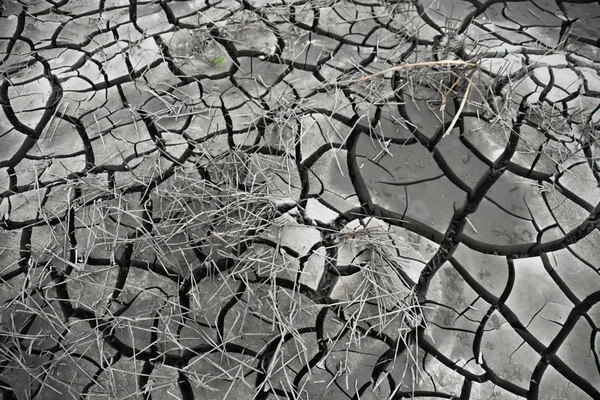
[[242, 199]]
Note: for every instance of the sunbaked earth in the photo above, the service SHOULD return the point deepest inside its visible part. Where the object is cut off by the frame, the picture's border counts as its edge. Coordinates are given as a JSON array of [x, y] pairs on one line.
[[300, 199]]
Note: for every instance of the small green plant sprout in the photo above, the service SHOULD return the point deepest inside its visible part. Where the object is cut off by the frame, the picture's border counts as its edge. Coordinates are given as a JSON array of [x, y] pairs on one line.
[[215, 61], [202, 45]]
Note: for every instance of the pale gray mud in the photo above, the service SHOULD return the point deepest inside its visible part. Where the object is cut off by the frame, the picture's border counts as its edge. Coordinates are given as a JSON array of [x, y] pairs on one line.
[[325, 199]]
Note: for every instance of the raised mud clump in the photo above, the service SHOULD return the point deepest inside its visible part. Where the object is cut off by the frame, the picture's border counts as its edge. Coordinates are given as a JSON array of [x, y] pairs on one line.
[[197, 53]]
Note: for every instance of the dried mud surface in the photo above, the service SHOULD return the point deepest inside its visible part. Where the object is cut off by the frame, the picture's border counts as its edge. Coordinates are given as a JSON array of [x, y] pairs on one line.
[[241, 200]]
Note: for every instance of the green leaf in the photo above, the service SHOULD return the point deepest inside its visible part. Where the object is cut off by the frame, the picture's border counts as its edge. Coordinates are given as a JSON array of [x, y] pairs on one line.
[[218, 61]]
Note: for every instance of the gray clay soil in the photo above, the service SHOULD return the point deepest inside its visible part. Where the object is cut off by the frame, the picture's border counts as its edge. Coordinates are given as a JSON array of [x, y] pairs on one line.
[[323, 199]]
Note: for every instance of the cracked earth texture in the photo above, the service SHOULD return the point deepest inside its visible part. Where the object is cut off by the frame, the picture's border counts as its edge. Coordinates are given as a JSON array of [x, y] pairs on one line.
[[242, 199]]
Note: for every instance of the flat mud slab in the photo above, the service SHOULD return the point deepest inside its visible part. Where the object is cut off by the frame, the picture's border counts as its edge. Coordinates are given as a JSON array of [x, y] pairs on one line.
[[300, 199]]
